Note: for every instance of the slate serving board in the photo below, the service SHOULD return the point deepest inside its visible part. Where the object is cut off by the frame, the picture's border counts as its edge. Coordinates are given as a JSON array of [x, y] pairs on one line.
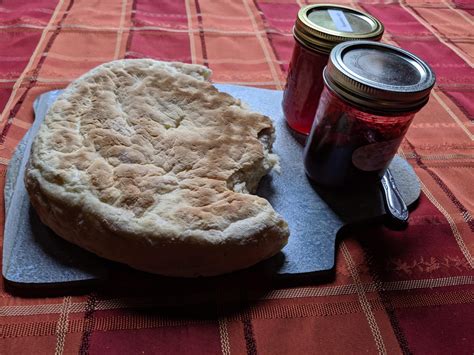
[[33, 256]]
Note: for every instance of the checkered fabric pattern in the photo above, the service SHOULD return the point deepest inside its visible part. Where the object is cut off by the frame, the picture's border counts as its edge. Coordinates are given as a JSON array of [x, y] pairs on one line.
[[394, 292]]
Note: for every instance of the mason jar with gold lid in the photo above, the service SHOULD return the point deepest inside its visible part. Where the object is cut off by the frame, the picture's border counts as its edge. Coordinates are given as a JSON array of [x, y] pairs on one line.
[[317, 30]]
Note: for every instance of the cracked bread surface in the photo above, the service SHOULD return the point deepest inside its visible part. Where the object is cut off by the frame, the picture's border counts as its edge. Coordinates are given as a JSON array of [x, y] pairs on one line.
[[147, 163]]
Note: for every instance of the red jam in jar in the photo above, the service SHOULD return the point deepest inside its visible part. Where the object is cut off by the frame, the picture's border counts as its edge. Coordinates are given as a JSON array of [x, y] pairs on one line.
[[303, 87], [317, 30], [372, 92]]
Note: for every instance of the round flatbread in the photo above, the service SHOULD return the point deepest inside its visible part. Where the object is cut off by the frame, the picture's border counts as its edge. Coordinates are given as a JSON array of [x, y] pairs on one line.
[[147, 163]]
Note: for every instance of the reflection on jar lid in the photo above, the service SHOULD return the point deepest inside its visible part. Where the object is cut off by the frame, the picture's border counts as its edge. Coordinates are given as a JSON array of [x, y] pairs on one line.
[[323, 26], [379, 76]]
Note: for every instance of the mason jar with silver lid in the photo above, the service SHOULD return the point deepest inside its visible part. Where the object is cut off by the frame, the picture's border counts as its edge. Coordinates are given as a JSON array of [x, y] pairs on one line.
[[372, 92], [317, 30]]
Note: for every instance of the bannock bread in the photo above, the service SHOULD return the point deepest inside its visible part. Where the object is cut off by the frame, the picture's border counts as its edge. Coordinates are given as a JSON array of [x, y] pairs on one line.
[[147, 163]]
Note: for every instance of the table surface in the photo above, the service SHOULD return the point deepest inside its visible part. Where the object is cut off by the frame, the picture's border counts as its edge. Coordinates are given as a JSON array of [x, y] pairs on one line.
[[394, 292]]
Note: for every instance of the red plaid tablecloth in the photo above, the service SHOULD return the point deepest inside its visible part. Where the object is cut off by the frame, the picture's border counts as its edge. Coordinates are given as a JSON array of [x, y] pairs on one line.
[[394, 292]]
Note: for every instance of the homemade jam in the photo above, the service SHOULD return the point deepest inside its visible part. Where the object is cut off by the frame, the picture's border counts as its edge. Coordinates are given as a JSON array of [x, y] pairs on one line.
[[371, 94], [317, 30]]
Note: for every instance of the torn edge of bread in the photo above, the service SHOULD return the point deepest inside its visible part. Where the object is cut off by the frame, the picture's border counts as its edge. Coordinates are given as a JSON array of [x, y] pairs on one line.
[[246, 180]]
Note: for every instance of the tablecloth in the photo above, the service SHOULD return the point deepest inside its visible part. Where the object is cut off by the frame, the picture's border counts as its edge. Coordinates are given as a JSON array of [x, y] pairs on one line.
[[394, 291]]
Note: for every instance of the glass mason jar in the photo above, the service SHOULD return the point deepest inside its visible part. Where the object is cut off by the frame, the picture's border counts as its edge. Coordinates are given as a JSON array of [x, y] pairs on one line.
[[371, 94], [317, 30]]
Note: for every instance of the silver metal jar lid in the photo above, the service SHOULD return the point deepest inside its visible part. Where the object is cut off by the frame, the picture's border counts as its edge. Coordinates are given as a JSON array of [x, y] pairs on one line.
[[379, 76]]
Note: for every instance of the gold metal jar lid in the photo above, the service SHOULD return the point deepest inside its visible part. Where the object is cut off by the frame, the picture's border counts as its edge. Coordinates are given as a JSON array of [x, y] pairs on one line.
[[323, 26], [379, 77]]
